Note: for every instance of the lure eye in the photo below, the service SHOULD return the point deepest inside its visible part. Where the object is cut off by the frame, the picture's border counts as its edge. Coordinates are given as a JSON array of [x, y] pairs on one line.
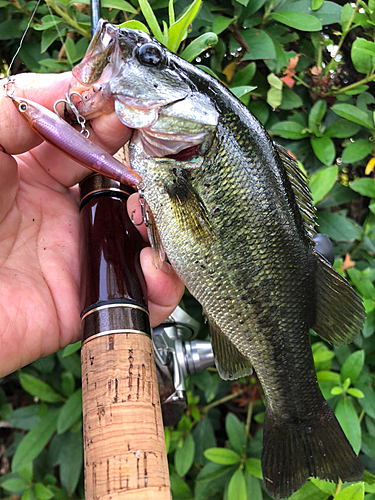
[[149, 54], [22, 107]]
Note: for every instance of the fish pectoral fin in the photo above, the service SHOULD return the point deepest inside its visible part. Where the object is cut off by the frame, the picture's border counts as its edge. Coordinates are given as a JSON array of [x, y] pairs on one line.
[[230, 363], [189, 210], [340, 313]]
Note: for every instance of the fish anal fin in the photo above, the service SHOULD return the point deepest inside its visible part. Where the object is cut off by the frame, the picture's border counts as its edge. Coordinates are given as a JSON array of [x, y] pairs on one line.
[[230, 363], [340, 313], [295, 450]]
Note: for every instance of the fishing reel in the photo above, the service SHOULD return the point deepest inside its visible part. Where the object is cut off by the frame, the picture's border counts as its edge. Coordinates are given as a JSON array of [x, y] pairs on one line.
[[177, 356]]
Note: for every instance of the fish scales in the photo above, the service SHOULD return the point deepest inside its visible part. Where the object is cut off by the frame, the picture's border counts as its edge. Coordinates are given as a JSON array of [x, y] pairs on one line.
[[235, 218]]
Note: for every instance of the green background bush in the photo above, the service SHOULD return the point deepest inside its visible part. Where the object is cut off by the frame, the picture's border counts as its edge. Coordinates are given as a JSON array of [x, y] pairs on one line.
[[305, 68]]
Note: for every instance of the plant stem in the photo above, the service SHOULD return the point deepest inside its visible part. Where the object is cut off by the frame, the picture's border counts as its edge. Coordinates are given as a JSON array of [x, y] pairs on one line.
[[248, 423], [69, 20], [225, 399], [345, 31], [360, 418], [338, 488], [367, 79]]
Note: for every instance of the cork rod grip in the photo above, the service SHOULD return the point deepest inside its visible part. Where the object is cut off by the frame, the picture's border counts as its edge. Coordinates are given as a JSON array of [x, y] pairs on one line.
[[125, 454], [124, 448]]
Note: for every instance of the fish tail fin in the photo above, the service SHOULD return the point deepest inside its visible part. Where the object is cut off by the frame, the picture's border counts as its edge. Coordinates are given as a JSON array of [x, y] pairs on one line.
[[294, 451]]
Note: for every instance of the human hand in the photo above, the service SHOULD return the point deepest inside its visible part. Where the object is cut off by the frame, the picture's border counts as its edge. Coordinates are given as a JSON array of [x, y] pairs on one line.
[[39, 232]]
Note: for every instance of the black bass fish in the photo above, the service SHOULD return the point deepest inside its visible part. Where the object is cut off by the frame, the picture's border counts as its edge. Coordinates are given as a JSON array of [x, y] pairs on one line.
[[235, 218]]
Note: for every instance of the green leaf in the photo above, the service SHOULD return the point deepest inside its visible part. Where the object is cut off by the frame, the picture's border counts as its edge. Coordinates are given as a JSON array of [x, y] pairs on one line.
[[322, 182], [48, 37], [244, 76], [71, 461], [35, 440], [237, 486], [353, 492], [68, 384], [342, 129], [328, 487], [316, 114], [260, 45], [132, 25], [236, 433], [184, 456], [290, 100], [363, 55], [221, 23], [70, 412], [368, 402], [242, 90], [316, 4], [16, 485], [364, 186], [289, 130], [180, 490], [353, 114], [42, 492], [309, 492], [204, 438], [275, 94], [297, 20], [178, 30], [222, 456], [120, 5], [70, 349], [151, 20], [355, 393], [253, 466], [362, 282], [348, 419], [357, 151], [24, 418], [324, 149], [336, 391], [352, 366], [368, 445], [337, 227], [346, 15], [199, 45], [39, 389]]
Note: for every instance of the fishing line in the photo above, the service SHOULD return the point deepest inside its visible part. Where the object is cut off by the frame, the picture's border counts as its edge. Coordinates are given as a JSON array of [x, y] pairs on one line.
[[21, 41]]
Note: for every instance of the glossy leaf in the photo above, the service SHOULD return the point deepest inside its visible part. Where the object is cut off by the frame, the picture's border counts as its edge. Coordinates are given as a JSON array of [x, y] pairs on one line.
[[342, 129], [15, 485], [42, 492], [39, 389], [184, 456], [221, 23], [353, 114], [70, 412], [353, 366], [237, 486], [222, 456], [236, 433], [324, 149], [364, 186], [337, 227], [35, 440], [357, 151], [260, 45], [363, 55], [151, 20], [297, 20], [289, 130], [348, 419], [353, 492], [178, 30], [316, 114], [253, 466], [199, 45], [322, 182], [24, 418], [71, 461]]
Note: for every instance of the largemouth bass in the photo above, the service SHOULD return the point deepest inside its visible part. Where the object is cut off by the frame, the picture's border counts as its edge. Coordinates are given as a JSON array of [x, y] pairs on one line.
[[235, 218]]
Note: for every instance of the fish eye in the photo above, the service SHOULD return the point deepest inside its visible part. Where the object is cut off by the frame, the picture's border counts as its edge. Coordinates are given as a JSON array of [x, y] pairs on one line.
[[22, 107], [149, 54]]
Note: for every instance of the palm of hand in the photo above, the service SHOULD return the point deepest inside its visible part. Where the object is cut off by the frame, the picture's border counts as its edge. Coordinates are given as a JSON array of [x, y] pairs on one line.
[[40, 237]]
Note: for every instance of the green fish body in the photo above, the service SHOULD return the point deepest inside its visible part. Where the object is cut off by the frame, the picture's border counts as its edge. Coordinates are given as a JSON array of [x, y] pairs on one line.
[[235, 218]]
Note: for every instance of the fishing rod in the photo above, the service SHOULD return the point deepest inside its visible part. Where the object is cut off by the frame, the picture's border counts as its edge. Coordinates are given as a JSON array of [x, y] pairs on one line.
[[124, 447]]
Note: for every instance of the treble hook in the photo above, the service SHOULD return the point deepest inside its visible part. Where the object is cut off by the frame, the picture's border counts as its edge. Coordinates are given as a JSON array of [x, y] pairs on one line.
[[145, 213], [80, 119], [11, 82]]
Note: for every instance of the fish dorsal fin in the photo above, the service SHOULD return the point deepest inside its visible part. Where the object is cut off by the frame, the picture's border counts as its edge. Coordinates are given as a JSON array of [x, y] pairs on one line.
[[340, 313], [300, 188], [158, 253], [189, 210], [230, 363]]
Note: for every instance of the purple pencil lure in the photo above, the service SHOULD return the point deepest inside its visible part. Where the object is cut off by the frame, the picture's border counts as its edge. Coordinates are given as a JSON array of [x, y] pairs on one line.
[[73, 144]]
